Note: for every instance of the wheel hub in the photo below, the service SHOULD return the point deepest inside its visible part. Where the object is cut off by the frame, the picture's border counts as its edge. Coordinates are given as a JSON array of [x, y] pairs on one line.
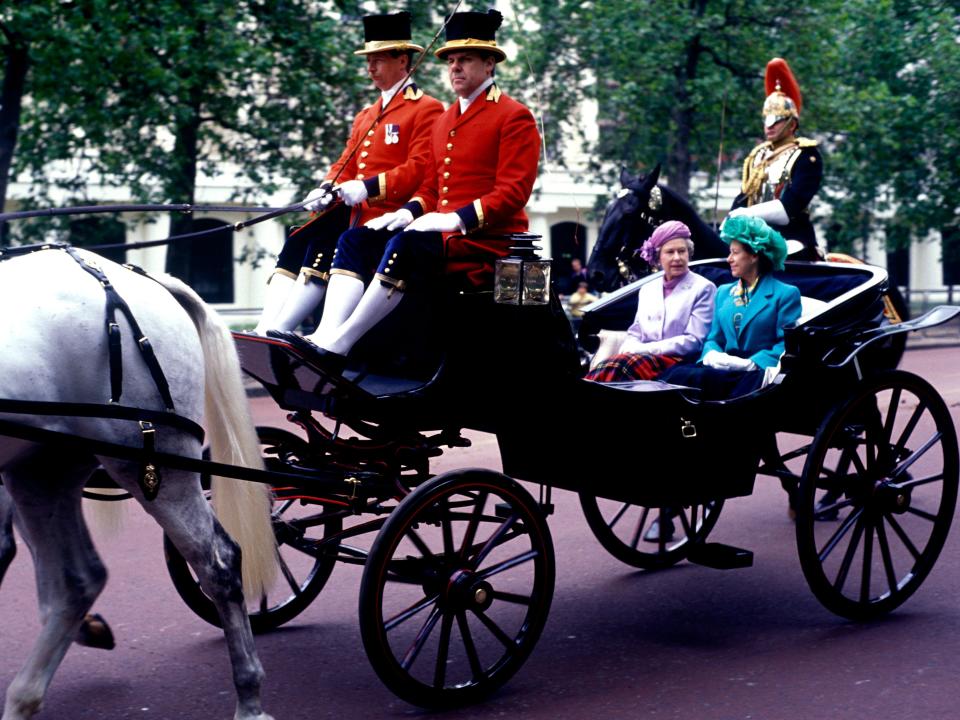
[[466, 591]]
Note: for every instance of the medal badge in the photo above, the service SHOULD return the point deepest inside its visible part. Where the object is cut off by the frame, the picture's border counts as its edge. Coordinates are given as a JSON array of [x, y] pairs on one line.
[[391, 133]]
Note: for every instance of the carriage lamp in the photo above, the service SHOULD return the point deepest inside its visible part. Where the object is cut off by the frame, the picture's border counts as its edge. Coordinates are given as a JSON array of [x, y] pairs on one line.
[[523, 277]]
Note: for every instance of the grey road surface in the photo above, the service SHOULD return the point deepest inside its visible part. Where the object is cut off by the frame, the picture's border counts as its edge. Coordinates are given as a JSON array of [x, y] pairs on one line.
[[685, 643]]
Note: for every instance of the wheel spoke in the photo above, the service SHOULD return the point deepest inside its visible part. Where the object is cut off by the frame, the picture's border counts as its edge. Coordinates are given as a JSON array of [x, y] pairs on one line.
[[494, 540], [620, 514], [844, 528], [858, 463], [419, 543], [915, 455], [891, 415], [494, 629], [832, 507], [867, 562], [635, 540], [887, 557], [288, 574], [909, 428], [414, 650], [473, 523], [683, 521], [922, 513], [410, 612], [844, 570], [508, 564], [468, 645], [916, 482], [511, 597], [902, 535], [447, 528], [440, 669]]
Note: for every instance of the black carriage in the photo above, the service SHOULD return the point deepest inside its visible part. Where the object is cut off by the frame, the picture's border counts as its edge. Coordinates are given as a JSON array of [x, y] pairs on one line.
[[458, 580]]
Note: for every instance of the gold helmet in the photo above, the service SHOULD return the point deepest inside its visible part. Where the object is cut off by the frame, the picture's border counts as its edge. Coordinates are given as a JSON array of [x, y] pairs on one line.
[[783, 93]]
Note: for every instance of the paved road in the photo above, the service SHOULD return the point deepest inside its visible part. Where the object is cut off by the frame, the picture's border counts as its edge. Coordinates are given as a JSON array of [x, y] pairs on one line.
[[685, 643]]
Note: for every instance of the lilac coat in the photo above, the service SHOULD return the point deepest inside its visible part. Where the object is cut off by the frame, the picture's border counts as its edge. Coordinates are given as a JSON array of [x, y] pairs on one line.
[[675, 325]]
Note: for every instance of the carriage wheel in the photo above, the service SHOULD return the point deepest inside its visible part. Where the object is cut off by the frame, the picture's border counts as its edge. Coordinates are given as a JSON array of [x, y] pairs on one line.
[[304, 568], [889, 456], [456, 589], [632, 533]]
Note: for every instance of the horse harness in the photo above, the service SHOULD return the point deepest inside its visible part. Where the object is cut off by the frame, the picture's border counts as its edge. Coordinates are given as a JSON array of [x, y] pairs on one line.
[[149, 476]]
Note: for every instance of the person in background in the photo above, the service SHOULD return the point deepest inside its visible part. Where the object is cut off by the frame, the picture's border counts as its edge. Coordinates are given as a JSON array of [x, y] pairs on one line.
[[782, 175]]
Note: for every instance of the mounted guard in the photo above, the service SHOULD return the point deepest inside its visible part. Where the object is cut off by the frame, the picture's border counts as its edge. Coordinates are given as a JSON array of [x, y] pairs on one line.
[[782, 174]]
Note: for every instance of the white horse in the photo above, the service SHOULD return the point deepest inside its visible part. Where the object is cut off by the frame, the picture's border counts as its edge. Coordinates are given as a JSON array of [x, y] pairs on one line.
[[54, 347]]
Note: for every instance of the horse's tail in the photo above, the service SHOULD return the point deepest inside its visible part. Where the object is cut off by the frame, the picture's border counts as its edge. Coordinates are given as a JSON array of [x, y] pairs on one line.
[[242, 507]]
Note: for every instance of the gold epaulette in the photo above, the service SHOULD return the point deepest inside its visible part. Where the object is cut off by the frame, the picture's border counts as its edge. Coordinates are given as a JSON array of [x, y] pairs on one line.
[[494, 93], [806, 142]]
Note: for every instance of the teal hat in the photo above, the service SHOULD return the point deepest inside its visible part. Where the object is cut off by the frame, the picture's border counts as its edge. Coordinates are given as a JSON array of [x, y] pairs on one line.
[[756, 235]]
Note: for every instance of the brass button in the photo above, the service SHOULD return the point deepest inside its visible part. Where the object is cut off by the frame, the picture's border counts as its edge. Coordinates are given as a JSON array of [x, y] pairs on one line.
[[394, 255], [444, 188], [390, 261], [453, 133], [364, 153], [447, 161], [444, 202], [446, 175], [386, 270], [359, 176], [361, 165], [449, 146], [370, 133], [366, 143]]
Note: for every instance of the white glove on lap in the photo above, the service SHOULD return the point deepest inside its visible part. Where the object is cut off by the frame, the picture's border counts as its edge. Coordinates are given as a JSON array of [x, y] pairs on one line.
[[723, 361], [437, 222], [353, 192], [318, 198], [391, 221]]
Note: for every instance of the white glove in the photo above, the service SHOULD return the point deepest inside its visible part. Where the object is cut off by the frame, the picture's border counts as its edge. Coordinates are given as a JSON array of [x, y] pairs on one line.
[[318, 198], [771, 211], [353, 192], [723, 361], [437, 222], [391, 221]]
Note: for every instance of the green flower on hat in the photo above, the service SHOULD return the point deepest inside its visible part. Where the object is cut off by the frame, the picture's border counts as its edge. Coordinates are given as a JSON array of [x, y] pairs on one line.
[[756, 235]]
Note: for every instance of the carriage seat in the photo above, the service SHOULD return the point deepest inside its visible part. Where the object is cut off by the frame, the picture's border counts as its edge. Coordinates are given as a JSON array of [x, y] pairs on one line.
[[611, 340]]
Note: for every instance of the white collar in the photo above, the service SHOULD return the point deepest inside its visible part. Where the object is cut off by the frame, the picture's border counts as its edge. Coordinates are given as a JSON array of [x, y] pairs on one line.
[[465, 102], [387, 95]]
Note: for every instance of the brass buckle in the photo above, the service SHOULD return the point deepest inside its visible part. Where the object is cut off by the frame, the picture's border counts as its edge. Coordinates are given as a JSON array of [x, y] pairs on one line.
[[688, 429]]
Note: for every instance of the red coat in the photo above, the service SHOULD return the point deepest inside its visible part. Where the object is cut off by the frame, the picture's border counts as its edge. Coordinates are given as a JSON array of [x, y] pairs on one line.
[[390, 170], [484, 164]]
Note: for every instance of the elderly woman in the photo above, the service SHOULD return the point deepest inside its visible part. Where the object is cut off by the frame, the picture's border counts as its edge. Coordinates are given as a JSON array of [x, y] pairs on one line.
[[673, 312], [746, 336]]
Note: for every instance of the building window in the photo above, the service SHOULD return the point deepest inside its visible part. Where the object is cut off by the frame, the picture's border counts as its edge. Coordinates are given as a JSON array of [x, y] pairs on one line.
[[898, 267], [205, 263], [93, 231], [950, 254]]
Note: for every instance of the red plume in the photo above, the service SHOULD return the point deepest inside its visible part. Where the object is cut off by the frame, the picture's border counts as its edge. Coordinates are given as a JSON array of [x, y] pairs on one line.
[[779, 71]]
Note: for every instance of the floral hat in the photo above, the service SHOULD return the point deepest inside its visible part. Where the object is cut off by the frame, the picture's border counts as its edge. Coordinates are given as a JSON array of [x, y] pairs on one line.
[[756, 235]]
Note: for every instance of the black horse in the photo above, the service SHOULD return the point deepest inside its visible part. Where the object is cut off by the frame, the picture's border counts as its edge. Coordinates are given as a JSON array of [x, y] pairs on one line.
[[630, 219]]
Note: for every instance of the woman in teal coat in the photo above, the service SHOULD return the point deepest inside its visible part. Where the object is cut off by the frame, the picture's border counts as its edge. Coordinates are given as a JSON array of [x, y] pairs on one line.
[[746, 335]]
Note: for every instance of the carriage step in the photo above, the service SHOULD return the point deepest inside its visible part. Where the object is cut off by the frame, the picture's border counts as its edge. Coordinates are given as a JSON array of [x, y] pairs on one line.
[[719, 556]]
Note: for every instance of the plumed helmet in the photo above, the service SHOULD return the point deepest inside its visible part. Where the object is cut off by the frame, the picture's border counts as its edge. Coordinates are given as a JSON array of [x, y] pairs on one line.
[[783, 93]]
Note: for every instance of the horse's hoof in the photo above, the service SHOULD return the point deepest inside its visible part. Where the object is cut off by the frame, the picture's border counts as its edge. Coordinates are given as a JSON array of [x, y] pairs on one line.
[[95, 633]]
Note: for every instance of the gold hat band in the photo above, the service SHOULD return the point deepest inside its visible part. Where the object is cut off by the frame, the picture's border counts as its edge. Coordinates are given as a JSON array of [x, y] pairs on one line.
[[470, 43], [373, 46]]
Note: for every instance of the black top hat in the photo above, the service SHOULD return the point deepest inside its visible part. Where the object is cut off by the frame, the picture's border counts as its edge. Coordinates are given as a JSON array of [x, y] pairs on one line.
[[473, 31], [387, 32]]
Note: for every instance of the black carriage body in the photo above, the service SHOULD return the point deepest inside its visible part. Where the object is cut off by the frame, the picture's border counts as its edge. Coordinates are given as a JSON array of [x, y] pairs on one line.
[[515, 371]]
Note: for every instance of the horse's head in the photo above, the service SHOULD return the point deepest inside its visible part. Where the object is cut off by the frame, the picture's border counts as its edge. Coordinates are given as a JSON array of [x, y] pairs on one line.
[[628, 221], [640, 206]]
